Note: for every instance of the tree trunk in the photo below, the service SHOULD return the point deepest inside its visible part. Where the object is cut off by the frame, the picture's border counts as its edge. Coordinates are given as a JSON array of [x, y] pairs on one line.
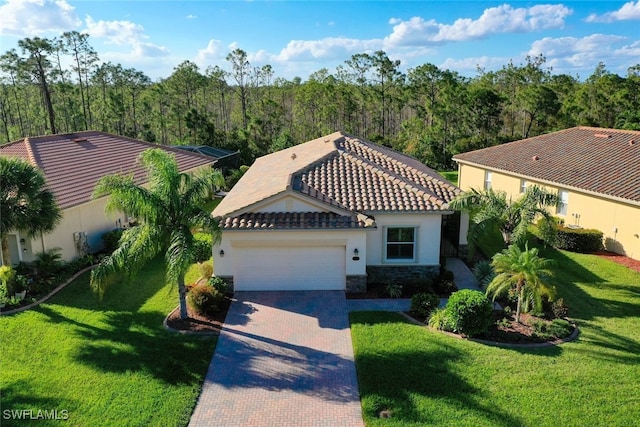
[[6, 255], [182, 290], [520, 292]]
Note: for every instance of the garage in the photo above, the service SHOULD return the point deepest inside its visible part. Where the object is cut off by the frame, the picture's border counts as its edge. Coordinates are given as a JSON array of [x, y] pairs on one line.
[[289, 268]]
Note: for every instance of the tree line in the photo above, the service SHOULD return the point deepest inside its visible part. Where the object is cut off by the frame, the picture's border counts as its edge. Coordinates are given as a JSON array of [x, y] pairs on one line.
[[427, 112]]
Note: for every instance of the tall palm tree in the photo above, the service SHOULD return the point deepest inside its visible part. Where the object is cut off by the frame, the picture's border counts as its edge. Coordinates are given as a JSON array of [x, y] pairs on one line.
[[524, 272], [168, 210], [491, 208], [26, 204]]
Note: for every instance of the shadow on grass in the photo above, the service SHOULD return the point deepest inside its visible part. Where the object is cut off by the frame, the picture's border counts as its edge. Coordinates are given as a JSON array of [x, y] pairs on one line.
[[17, 398], [396, 378]]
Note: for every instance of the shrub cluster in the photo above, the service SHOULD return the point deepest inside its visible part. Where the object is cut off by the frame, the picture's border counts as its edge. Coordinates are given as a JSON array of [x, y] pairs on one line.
[[422, 304], [203, 246], [111, 239], [204, 299], [557, 328], [579, 239], [559, 308], [469, 312]]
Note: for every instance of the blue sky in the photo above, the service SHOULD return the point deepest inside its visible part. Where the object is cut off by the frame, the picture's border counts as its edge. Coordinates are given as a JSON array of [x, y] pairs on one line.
[[299, 37]]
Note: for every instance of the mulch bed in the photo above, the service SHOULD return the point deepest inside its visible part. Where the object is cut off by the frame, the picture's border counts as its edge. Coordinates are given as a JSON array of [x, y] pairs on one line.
[[620, 259], [198, 323]]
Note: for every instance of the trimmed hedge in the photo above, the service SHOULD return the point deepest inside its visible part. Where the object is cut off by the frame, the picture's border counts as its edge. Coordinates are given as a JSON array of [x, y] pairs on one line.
[[423, 303], [203, 246], [579, 239], [469, 312]]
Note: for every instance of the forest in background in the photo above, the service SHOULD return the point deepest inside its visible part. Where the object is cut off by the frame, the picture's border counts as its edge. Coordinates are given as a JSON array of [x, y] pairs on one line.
[[427, 112]]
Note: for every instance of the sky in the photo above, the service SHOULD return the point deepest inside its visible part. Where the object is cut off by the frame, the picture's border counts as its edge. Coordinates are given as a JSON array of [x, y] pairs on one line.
[[298, 37]]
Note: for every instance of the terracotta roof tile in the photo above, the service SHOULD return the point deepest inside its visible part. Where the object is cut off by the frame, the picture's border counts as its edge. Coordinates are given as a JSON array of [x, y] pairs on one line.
[[73, 163], [593, 159], [295, 221], [343, 172]]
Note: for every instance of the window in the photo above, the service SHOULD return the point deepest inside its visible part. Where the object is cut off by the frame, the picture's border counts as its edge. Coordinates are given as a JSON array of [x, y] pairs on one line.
[[523, 185], [563, 203], [487, 180], [400, 244]]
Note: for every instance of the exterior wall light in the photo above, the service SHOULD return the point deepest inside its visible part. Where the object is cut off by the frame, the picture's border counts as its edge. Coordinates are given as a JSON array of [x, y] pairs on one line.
[[221, 253], [356, 256]]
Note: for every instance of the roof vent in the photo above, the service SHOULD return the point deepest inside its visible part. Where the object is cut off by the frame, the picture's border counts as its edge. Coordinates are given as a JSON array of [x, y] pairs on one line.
[[632, 142], [293, 156], [534, 158], [326, 140], [80, 140], [602, 135]]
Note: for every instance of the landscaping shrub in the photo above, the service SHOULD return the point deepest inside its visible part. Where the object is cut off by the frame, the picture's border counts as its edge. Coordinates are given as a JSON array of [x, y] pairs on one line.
[[579, 240], [7, 278], [219, 285], [558, 328], [204, 299], [422, 304], [111, 240], [440, 320], [203, 246], [394, 290], [444, 284], [469, 311], [559, 309], [483, 272]]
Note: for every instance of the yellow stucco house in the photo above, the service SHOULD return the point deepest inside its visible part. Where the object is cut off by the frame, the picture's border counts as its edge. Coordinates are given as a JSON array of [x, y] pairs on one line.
[[595, 171], [72, 164]]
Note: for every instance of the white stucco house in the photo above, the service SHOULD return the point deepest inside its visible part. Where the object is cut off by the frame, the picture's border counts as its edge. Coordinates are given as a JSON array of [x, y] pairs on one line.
[[72, 164], [333, 214]]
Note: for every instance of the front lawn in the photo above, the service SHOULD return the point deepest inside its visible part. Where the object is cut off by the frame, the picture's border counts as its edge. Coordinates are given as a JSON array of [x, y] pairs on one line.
[[427, 378], [106, 362]]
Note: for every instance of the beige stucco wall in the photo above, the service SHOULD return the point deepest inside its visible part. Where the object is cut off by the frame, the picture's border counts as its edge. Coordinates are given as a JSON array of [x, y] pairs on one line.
[[428, 241], [89, 218], [618, 220]]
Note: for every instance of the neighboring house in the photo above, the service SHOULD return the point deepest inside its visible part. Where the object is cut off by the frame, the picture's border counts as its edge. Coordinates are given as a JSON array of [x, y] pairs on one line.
[[332, 213], [595, 171], [222, 159], [72, 164]]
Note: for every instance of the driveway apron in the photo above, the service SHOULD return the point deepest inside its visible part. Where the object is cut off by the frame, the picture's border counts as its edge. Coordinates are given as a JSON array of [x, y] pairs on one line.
[[282, 359]]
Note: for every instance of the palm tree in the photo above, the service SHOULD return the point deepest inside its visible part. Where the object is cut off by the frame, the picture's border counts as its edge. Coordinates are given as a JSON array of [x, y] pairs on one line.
[[489, 208], [167, 213], [26, 203], [524, 272]]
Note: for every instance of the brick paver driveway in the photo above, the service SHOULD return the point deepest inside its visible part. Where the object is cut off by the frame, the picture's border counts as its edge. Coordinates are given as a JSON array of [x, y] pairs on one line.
[[282, 359]]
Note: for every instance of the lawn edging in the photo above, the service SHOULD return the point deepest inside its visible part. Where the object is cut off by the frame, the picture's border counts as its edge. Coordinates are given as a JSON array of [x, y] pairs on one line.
[[573, 336], [184, 332], [49, 295]]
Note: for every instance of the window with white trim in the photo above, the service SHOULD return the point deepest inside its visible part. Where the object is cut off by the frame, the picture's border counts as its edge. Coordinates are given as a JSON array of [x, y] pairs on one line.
[[487, 180], [400, 243], [563, 202], [523, 185]]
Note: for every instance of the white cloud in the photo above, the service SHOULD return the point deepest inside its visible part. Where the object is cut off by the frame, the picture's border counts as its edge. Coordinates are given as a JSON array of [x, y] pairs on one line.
[[115, 32], [495, 20], [629, 11], [35, 17], [190, 16], [148, 50], [327, 48], [211, 54], [469, 66]]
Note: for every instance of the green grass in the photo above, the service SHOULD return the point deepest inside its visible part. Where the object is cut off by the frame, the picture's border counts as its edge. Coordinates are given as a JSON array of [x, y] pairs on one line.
[[428, 378], [451, 176], [211, 204], [106, 362]]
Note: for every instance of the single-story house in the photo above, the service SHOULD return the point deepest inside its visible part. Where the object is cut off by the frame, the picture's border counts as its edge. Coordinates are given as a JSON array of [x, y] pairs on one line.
[[72, 164], [595, 171], [334, 213]]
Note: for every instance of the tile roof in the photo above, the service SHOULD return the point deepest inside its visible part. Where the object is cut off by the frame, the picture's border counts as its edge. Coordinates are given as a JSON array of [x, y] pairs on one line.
[[73, 163], [342, 172], [295, 220], [605, 161]]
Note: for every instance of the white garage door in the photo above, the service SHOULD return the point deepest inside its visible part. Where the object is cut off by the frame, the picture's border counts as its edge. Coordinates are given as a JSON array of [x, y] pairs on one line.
[[289, 268]]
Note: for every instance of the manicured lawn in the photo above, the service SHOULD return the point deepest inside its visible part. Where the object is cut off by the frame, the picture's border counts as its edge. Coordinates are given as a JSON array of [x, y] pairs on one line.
[[427, 378], [451, 176], [106, 362]]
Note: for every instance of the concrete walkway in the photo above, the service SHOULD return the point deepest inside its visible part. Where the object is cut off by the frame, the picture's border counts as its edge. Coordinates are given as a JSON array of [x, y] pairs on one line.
[[282, 359], [462, 276]]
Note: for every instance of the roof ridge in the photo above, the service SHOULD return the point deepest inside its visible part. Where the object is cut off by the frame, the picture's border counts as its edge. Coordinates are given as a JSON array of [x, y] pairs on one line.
[[30, 153], [597, 129], [413, 186]]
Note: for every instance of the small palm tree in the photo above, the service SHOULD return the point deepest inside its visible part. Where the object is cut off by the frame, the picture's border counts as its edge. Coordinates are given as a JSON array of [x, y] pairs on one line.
[[491, 208], [26, 203], [524, 272], [167, 211]]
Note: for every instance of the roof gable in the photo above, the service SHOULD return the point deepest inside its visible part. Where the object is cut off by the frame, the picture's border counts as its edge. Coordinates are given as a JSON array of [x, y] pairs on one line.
[[342, 172], [605, 161], [73, 163]]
